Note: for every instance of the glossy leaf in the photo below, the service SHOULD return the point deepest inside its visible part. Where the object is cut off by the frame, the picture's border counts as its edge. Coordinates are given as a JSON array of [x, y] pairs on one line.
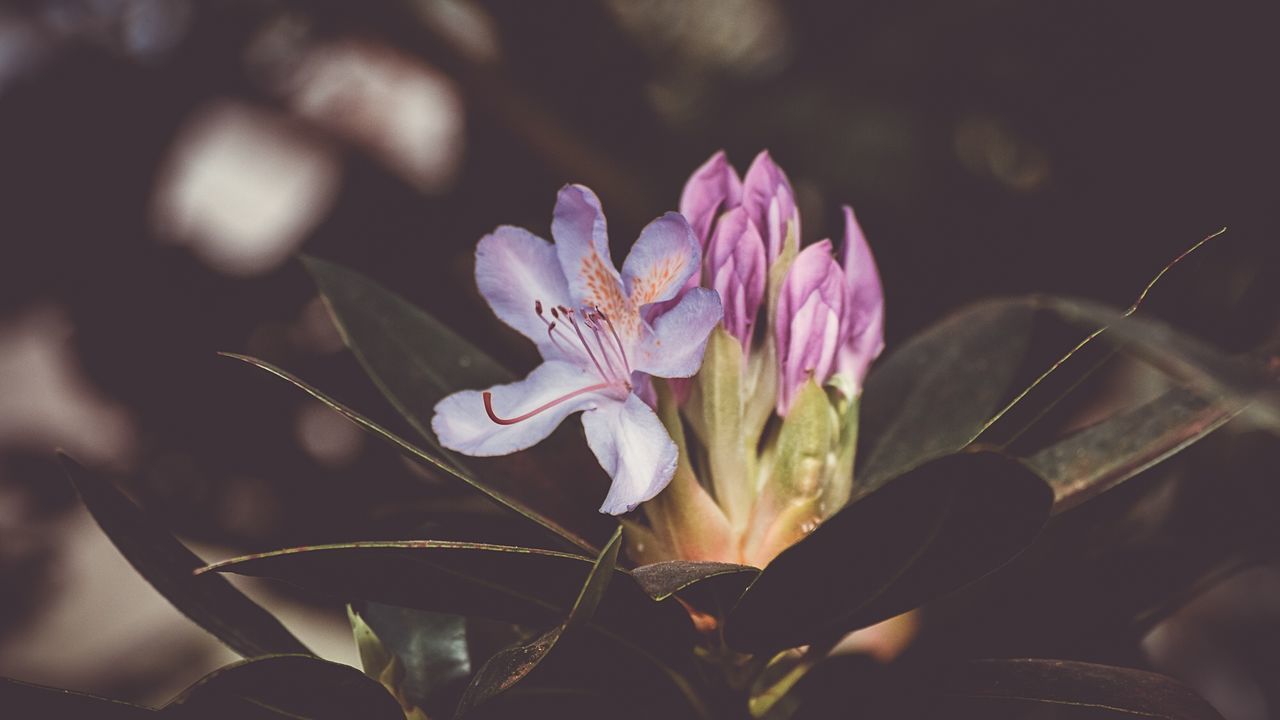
[[20, 699], [510, 665], [934, 529], [1103, 455], [519, 585], [413, 358], [421, 657], [933, 394], [210, 601], [421, 455], [1180, 355], [1018, 688], [285, 687]]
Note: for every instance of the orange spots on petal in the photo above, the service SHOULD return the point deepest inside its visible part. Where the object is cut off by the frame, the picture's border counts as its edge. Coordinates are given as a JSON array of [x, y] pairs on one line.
[[604, 291], [658, 281]]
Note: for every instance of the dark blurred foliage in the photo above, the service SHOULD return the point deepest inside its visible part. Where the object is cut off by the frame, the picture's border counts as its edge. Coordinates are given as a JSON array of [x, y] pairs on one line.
[[990, 147]]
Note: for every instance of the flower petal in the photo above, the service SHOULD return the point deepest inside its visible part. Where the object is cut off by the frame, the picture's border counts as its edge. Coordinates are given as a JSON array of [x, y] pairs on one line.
[[674, 348], [809, 319], [736, 269], [582, 244], [514, 270], [770, 202], [463, 424], [663, 258], [712, 188], [864, 304], [634, 448]]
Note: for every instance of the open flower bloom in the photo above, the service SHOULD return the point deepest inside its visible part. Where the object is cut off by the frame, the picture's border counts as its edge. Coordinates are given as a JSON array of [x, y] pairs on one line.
[[599, 338]]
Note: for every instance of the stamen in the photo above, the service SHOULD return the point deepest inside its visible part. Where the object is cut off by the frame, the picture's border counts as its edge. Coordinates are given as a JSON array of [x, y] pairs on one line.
[[568, 314], [593, 323], [621, 350], [488, 404], [551, 325]]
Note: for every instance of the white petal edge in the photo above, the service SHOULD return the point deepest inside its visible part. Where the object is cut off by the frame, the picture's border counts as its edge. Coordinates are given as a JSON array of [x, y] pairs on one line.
[[634, 448], [462, 424]]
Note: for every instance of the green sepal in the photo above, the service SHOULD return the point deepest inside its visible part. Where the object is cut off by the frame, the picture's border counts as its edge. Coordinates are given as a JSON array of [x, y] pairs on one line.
[[716, 414], [686, 522], [803, 458]]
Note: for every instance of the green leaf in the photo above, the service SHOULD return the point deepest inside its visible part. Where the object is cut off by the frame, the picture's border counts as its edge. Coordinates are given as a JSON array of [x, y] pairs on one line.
[[935, 529], [1180, 356], [519, 585], [715, 408], [210, 601], [421, 455], [709, 586], [39, 701], [1023, 687], [1105, 454], [510, 665], [421, 657], [414, 359], [931, 396], [285, 687]]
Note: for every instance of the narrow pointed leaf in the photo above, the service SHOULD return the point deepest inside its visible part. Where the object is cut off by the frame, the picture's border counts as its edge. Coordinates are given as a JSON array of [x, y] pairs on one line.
[[420, 454], [285, 687], [1103, 455], [511, 665], [935, 529], [1180, 356], [519, 585], [210, 601], [39, 701], [712, 587], [413, 358]]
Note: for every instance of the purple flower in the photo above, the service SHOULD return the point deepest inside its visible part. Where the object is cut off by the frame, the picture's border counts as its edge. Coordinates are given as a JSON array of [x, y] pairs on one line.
[[863, 326], [809, 323], [598, 347]]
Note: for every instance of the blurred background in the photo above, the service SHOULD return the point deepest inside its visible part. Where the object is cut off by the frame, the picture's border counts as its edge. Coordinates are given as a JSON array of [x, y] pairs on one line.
[[162, 161]]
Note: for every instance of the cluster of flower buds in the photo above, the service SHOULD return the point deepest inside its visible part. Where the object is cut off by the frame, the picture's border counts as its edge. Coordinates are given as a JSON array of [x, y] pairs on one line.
[[768, 426]]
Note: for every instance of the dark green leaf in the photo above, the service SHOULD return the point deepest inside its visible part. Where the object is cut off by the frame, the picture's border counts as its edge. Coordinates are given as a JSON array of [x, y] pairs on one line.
[[25, 700], [421, 455], [414, 359], [712, 587], [1103, 455], [924, 534], [210, 601], [285, 687], [510, 665], [519, 585], [1180, 355], [932, 395], [1016, 688], [1110, 568], [421, 657]]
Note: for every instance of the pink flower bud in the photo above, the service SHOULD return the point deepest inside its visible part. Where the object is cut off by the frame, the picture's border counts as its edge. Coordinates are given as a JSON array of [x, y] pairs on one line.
[[735, 267], [770, 203], [863, 327], [809, 321]]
